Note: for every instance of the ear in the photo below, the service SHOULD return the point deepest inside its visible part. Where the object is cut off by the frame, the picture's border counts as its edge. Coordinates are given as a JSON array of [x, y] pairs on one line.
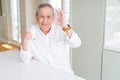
[[36, 18]]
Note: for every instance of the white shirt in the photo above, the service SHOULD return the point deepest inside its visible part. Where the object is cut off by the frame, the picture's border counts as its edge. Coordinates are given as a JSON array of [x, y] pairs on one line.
[[52, 48]]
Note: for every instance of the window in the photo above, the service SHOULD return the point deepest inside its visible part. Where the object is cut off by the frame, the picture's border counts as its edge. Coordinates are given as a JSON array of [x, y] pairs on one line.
[[55, 3], [15, 20], [112, 25]]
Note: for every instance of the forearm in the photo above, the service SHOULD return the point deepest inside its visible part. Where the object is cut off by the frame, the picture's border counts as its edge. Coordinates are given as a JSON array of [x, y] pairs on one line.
[[24, 45], [68, 30], [69, 33], [25, 52], [25, 55], [74, 41]]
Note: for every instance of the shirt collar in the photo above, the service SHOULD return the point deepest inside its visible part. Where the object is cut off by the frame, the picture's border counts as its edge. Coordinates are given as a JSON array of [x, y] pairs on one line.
[[50, 32]]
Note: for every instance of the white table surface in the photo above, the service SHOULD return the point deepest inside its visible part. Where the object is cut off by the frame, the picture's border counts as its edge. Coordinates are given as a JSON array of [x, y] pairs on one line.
[[12, 68]]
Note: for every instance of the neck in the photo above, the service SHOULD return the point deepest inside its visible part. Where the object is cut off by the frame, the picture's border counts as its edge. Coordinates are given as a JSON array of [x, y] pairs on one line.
[[45, 32]]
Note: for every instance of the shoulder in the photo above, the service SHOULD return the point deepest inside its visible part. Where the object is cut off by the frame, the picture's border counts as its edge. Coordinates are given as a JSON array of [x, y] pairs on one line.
[[32, 28]]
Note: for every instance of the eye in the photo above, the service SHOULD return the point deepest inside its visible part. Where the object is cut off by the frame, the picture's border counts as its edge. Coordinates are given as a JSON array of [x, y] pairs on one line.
[[48, 17], [41, 16]]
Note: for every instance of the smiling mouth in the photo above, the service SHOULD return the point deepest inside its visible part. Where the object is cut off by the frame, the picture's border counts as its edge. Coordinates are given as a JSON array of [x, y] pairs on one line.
[[44, 24]]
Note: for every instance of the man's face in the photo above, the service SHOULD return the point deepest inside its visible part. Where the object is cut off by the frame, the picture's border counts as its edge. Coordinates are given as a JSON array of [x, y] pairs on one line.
[[45, 19]]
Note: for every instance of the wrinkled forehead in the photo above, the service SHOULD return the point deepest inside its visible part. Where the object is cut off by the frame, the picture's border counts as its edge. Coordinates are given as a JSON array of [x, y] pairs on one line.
[[45, 10]]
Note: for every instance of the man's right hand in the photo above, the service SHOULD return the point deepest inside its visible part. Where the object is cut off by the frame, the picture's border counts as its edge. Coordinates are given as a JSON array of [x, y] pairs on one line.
[[27, 35]]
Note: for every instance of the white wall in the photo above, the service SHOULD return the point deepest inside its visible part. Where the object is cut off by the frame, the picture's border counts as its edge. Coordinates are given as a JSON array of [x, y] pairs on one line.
[[111, 65], [88, 21], [3, 21], [1, 25]]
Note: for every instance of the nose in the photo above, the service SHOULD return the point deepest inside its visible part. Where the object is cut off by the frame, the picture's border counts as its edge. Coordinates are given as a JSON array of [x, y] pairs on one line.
[[45, 20]]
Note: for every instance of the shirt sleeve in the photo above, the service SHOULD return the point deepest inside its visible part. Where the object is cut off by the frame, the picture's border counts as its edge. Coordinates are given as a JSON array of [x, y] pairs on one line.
[[26, 55], [74, 41]]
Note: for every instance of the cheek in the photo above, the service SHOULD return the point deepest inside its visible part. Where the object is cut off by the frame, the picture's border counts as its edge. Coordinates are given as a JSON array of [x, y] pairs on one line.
[[51, 21], [40, 21]]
